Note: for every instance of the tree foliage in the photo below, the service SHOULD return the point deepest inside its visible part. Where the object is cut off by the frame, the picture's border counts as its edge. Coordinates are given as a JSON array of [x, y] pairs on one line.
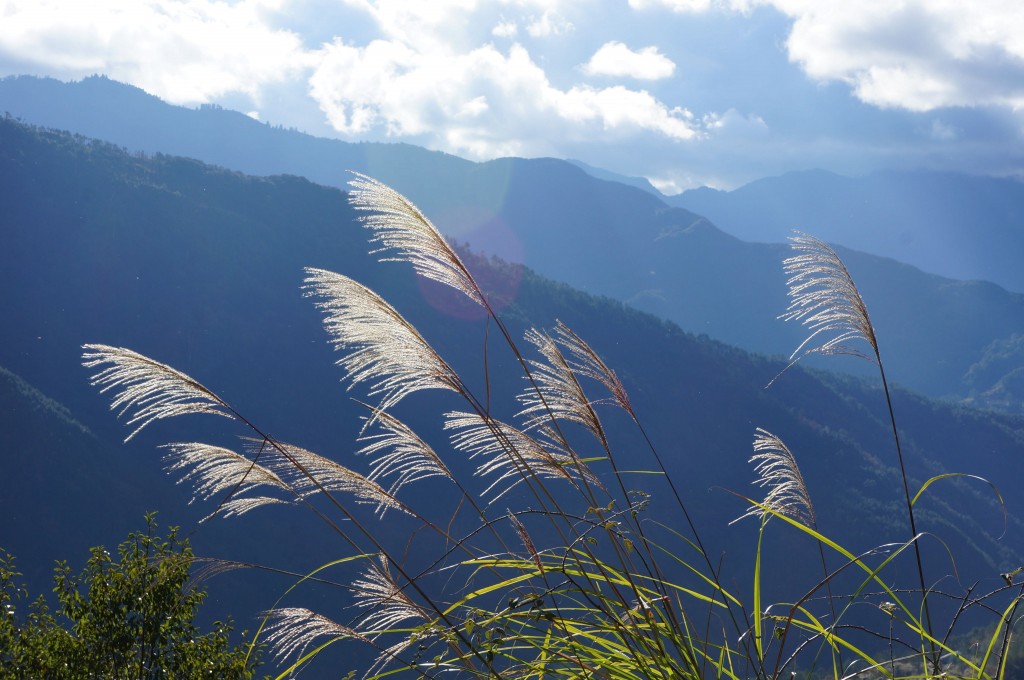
[[129, 616]]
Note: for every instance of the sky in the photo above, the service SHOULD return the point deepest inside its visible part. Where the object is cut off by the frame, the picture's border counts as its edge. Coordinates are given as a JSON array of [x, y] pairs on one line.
[[683, 92]]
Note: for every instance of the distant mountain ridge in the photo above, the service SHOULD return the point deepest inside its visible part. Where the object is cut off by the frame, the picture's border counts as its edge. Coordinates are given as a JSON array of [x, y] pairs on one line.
[[959, 226], [602, 237]]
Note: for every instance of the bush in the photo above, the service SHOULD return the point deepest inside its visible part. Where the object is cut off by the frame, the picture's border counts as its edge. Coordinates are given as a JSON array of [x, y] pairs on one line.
[[129, 618], [578, 581]]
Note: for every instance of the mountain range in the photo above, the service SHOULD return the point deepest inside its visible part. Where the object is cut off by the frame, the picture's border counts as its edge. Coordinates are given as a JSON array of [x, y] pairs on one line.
[[620, 240], [200, 267], [959, 226]]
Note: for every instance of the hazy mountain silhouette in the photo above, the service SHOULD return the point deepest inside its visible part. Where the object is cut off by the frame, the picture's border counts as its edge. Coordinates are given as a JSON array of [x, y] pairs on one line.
[[959, 226], [603, 237]]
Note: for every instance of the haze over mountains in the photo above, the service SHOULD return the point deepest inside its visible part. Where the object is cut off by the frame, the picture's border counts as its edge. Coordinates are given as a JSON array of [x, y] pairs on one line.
[[607, 237], [960, 226]]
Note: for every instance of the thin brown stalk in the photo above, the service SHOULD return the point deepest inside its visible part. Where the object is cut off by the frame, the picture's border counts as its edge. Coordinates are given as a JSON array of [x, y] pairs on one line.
[[825, 299]]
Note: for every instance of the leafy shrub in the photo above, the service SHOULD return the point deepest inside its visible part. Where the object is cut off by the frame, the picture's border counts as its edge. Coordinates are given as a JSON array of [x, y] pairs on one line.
[[127, 618]]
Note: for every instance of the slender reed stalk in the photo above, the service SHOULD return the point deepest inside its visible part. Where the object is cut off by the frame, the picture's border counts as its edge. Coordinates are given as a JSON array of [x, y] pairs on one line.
[[825, 299]]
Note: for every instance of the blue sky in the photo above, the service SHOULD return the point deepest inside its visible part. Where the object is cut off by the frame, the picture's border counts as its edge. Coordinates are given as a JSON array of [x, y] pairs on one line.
[[683, 92]]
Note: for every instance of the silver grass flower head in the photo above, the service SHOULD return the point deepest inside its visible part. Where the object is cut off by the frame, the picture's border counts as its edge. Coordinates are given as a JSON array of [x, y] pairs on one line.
[[777, 470], [208, 567], [399, 226], [235, 507], [398, 453], [214, 470], [524, 538], [388, 604], [824, 298], [307, 473], [585, 361], [510, 454], [380, 347], [291, 630], [147, 389], [560, 393]]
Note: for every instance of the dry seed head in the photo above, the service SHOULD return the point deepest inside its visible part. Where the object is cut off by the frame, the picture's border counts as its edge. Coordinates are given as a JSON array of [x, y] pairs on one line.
[[291, 630], [400, 454], [380, 347], [560, 392], [509, 453], [824, 298], [388, 603], [214, 469], [585, 361], [149, 390], [387, 655], [239, 506], [525, 539], [776, 468], [399, 226], [300, 468]]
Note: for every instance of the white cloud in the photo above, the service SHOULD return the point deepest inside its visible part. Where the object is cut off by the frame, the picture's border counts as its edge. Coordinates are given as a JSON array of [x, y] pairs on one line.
[[674, 5], [483, 103], [615, 59], [620, 109], [549, 24], [190, 51], [463, 24], [918, 54], [505, 29], [692, 6], [736, 124]]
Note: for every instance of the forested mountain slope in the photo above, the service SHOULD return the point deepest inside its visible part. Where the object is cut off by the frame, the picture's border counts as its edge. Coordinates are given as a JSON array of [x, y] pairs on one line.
[[602, 237], [200, 268]]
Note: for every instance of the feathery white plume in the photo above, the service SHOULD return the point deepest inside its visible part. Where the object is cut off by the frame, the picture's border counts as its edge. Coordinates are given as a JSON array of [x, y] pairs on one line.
[[292, 629], [300, 467], [388, 604], [510, 453], [380, 346], [585, 361], [825, 299], [149, 389], [777, 469], [388, 654], [239, 506], [213, 469], [399, 453], [399, 225], [561, 394]]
